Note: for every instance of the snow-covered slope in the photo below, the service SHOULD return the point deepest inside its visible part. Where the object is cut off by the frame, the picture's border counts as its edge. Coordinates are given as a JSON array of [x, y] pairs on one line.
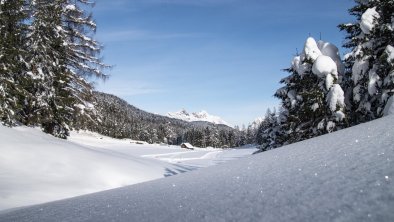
[[36, 167], [344, 176], [197, 116]]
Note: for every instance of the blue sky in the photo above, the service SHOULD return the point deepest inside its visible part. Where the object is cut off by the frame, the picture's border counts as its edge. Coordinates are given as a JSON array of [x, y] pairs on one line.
[[222, 56]]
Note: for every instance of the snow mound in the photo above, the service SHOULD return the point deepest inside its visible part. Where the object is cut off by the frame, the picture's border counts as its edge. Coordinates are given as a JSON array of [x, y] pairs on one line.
[[311, 50], [197, 116], [324, 66], [343, 176], [368, 20], [329, 49]]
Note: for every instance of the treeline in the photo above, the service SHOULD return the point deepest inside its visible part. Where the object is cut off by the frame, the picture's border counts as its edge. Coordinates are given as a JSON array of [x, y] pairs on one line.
[[46, 56], [324, 93], [116, 118]]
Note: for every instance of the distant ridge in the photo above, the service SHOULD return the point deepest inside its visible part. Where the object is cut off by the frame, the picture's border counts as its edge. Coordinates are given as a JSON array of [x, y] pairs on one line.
[[203, 116]]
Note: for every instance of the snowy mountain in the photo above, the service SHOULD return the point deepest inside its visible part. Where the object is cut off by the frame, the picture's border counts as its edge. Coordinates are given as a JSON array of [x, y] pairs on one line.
[[343, 176], [203, 116], [119, 119]]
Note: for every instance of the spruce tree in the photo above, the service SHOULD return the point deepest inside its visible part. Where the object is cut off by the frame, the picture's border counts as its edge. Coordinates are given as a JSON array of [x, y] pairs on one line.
[[13, 31], [371, 60], [312, 99], [63, 58]]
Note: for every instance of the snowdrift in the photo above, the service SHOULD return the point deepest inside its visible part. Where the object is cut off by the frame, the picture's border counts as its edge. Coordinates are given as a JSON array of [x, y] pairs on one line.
[[344, 176], [37, 168]]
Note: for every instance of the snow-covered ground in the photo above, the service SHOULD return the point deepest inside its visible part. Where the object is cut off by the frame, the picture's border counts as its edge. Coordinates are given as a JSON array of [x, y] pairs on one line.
[[344, 176], [36, 167]]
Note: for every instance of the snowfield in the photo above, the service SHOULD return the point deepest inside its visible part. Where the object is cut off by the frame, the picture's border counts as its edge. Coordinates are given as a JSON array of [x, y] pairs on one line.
[[37, 168], [344, 176]]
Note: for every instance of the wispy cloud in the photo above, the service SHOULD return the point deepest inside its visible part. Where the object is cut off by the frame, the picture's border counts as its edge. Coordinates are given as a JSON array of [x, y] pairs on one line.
[[120, 36], [128, 88]]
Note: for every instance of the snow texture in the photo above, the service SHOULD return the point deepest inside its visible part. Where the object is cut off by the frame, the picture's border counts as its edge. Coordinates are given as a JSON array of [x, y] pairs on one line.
[[36, 167], [368, 20], [343, 176]]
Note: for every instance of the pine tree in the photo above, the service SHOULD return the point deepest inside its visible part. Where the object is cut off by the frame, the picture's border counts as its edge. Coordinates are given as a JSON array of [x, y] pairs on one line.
[[371, 60], [312, 99], [13, 31], [62, 58]]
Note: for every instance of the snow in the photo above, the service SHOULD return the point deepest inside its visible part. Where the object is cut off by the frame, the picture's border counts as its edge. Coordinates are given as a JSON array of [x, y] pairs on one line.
[[339, 115], [374, 81], [292, 96], [368, 20], [330, 126], [329, 81], [311, 50], [329, 49], [315, 106], [343, 176], [197, 116], [335, 97], [360, 67], [36, 167], [389, 108], [324, 66], [300, 67], [390, 54]]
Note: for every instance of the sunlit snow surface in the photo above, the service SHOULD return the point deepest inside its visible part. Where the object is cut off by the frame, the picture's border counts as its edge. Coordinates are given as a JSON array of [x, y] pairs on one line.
[[344, 176], [37, 168]]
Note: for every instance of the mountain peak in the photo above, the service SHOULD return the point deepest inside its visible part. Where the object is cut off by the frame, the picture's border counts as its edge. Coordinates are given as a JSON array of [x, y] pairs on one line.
[[196, 116]]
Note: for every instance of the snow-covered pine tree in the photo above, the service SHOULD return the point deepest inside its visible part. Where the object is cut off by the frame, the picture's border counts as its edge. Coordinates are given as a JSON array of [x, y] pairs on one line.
[[63, 57], [265, 134], [371, 60], [12, 55], [49, 102], [312, 99], [82, 55]]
